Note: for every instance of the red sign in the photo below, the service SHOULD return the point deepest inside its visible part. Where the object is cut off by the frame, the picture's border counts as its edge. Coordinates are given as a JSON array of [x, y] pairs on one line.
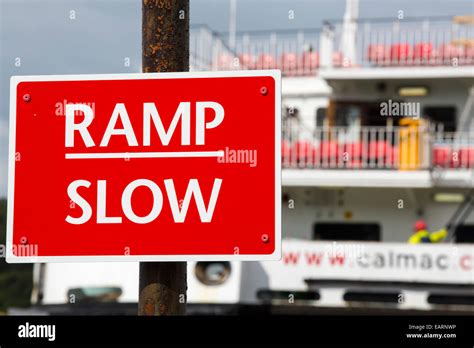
[[145, 167]]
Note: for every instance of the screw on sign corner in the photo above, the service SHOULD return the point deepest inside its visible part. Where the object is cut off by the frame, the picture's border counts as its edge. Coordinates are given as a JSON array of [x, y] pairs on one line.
[[264, 91], [24, 240], [26, 98], [265, 238]]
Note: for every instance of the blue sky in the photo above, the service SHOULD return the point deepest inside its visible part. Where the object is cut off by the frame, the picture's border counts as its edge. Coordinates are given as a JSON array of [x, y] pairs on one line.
[[105, 32]]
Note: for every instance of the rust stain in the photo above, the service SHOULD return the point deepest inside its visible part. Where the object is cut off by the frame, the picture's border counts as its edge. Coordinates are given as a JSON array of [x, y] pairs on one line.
[[165, 36], [162, 309], [149, 308]]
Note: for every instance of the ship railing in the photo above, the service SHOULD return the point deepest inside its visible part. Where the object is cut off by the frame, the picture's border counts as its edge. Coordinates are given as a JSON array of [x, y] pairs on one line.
[[453, 150], [294, 52], [372, 147], [400, 42], [364, 43], [205, 46]]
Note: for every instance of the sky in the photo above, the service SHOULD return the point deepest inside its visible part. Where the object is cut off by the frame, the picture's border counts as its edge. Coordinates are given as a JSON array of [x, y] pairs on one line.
[[97, 36]]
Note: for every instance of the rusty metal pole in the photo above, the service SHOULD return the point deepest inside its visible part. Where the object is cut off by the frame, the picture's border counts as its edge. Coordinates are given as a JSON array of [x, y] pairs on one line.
[[165, 48]]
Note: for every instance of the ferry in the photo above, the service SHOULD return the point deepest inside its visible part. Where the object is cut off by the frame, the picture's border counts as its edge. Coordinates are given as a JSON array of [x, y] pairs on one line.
[[377, 133]]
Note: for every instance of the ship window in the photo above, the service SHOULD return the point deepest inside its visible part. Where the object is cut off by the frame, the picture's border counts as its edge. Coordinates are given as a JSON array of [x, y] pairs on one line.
[[450, 299], [347, 231], [95, 294], [442, 115], [347, 115], [269, 295], [371, 296], [320, 116], [465, 234]]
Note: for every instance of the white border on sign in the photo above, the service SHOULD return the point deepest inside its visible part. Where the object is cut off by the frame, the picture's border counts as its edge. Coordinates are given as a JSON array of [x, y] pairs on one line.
[[15, 80]]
